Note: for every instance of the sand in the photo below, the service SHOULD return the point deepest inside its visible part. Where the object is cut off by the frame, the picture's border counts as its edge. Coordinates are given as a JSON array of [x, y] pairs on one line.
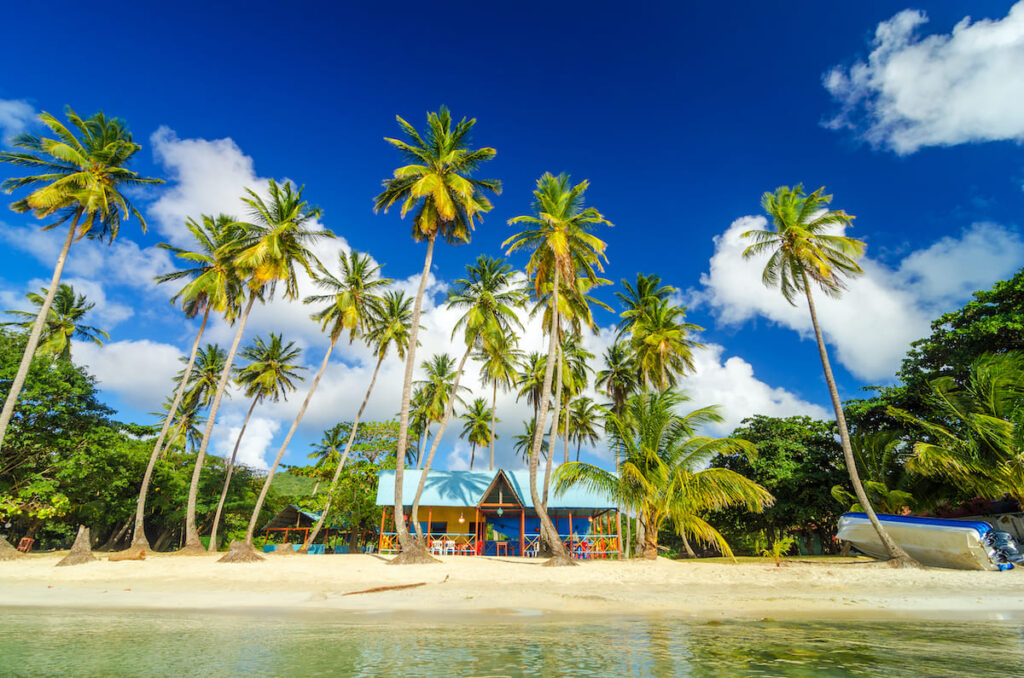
[[458, 585]]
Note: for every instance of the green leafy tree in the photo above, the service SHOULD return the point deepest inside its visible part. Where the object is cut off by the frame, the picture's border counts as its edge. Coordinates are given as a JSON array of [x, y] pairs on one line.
[[84, 176], [797, 458], [882, 458], [438, 187], [803, 253], [662, 476], [498, 367], [63, 322]]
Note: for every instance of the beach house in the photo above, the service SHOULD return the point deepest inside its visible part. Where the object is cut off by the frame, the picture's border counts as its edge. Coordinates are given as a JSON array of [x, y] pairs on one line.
[[491, 513]]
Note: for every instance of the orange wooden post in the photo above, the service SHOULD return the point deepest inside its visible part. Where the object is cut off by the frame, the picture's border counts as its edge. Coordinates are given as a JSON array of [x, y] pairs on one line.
[[476, 547], [618, 536], [522, 532], [380, 537], [430, 515]]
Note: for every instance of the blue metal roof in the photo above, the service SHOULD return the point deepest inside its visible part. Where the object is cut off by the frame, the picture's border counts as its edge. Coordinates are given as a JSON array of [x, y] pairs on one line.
[[466, 488]]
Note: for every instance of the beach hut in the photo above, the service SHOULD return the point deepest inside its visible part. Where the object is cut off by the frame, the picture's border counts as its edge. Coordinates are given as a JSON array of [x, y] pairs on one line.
[[458, 507], [296, 522]]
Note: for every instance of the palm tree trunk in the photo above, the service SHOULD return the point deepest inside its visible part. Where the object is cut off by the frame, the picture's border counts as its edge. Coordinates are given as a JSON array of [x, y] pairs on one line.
[[579, 444], [559, 555], [565, 434], [494, 414], [419, 447], [448, 408], [687, 547], [37, 331], [553, 437], [472, 455], [316, 486], [192, 543], [139, 541], [212, 548], [250, 531], [649, 538], [623, 548], [412, 552], [897, 556], [341, 464]]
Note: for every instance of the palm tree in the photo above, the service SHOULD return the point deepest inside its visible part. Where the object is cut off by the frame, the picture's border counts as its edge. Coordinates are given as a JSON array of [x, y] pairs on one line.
[[619, 381], [522, 443], [530, 379], [270, 375], [477, 427], [562, 249], [802, 251], [81, 185], [275, 245], [490, 297], [446, 201], [498, 366], [662, 475], [327, 453], [212, 286], [63, 322], [882, 457], [661, 348], [352, 300], [636, 298], [389, 326], [976, 434], [584, 414]]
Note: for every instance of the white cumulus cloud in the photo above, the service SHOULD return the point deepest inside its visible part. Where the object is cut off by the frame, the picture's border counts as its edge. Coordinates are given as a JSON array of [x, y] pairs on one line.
[[936, 90], [140, 372], [15, 116]]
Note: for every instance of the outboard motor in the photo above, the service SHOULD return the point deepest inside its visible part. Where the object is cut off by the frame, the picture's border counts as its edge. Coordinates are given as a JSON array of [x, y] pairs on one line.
[[1004, 547]]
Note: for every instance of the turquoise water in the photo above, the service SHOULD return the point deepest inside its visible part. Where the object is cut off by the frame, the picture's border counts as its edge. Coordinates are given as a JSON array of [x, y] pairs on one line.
[[72, 643]]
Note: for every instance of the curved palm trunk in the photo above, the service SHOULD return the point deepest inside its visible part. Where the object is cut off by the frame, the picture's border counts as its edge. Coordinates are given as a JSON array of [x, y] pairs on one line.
[[192, 543], [227, 478], [649, 540], [494, 415], [579, 444], [472, 455], [553, 437], [559, 555], [448, 408], [341, 464], [37, 331], [897, 556], [284, 444], [139, 541], [412, 552]]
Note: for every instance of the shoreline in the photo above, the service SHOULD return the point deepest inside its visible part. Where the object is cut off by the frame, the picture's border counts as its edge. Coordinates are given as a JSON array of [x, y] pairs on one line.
[[512, 589]]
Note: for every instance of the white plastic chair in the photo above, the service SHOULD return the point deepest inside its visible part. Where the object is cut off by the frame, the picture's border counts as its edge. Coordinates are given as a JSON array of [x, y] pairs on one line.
[[449, 547]]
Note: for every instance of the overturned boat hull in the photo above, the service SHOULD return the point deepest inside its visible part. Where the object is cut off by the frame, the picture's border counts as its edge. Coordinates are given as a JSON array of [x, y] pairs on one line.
[[934, 542]]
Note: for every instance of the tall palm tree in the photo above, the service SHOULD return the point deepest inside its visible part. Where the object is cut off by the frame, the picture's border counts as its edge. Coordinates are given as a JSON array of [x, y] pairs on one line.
[[498, 365], [213, 285], [562, 249], [662, 475], [352, 298], [477, 427], [619, 381], [446, 200], [522, 443], [661, 345], [63, 322], [584, 415], [489, 297], [82, 183], [271, 373], [530, 379], [636, 298], [275, 245], [389, 327], [803, 252], [327, 453]]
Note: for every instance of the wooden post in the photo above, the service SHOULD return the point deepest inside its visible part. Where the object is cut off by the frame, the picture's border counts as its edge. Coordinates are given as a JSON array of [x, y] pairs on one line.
[[572, 539], [618, 537], [522, 532], [430, 514], [380, 537]]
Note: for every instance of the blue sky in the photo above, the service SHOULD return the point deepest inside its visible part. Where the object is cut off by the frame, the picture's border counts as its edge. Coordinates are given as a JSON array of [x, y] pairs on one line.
[[679, 116]]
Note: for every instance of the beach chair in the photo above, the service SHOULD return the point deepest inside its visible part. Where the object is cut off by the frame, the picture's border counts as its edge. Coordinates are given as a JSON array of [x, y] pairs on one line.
[[436, 547], [449, 547], [25, 545]]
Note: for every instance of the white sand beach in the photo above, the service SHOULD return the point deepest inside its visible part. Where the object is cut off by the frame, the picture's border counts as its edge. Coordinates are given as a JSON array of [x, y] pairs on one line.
[[701, 590]]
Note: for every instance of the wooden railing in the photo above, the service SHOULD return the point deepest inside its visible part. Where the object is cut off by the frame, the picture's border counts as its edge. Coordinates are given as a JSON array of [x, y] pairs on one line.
[[438, 543]]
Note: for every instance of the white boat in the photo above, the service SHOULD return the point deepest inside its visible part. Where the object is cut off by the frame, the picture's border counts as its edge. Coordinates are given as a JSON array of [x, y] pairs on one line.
[[935, 542]]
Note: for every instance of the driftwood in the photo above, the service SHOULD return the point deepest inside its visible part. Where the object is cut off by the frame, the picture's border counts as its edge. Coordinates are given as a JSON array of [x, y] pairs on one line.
[[378, 589], [81, 551], [130, 554]]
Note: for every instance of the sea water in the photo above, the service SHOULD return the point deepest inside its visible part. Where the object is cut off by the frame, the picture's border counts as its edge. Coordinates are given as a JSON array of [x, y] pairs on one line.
[[45, 642]]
